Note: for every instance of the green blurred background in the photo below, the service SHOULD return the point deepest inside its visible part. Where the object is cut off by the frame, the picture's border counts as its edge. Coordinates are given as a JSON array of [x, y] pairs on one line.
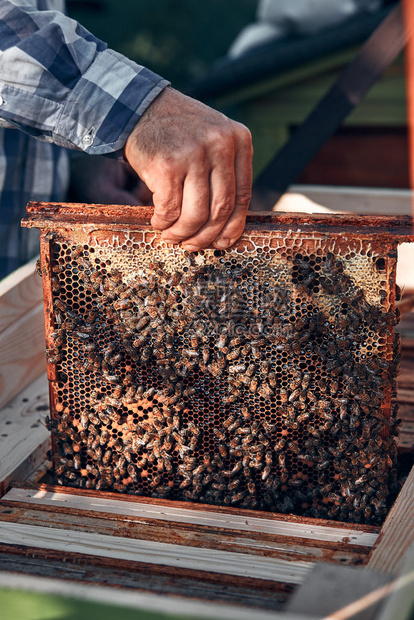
[[179, 39], [22, 605]]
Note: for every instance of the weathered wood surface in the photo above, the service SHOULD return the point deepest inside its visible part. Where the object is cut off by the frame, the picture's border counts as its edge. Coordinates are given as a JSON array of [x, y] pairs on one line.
[[179, 605], [225, 519], [143, 577], [288, 540], [359, 199], [405, 439], [19, 292], [150, 552], [22, 335], [397, 533], [24, 439], [400, 604], [339, 592]]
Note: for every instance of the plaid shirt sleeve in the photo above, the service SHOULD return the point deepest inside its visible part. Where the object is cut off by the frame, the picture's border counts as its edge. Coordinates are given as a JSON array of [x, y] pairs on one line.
[[60, 84]]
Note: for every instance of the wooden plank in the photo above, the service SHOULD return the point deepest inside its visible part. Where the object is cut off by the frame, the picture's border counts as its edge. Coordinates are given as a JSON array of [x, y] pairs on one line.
[[339, 592], [142, 577], [22, 353], [22, 336], [406, 397], [400, 605], [149, 552], [19, 292], [24, 438], [215, 519], [281, 547], [180, 607], [359, 199], [392, 601], [405, 440], [397, 533]]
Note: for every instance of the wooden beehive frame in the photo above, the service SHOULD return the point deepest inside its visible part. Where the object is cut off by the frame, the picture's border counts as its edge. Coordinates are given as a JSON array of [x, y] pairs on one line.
[[122, 238]]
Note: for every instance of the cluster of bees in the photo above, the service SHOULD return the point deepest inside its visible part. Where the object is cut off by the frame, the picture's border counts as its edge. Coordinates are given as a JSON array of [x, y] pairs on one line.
[[214, 385]]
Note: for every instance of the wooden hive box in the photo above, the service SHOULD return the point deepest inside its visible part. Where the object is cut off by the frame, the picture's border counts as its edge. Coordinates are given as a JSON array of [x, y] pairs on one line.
[[246, 559]]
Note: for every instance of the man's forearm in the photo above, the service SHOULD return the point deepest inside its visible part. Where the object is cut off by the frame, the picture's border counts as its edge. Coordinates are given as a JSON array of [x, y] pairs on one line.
[[61, 84]]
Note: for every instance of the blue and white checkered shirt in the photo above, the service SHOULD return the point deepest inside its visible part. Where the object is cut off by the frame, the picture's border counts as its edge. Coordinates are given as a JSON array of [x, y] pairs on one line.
[[59, 87]]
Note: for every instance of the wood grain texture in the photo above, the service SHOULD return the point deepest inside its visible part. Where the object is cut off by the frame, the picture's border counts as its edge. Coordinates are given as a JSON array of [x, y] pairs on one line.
[[400, 605], [22, 336], [278, 547], [339, 593], [150, 552], [142, 510], [24, 438], [358, 199], [22, 353], [138, 578], [397, 533], [181, 606], [19, 293]]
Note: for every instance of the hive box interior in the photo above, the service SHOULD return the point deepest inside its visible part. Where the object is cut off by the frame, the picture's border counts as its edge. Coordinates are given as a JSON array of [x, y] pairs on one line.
[[260, 377]]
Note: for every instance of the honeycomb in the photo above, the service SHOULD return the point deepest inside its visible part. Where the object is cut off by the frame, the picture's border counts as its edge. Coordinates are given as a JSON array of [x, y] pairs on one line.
[[259, 377]]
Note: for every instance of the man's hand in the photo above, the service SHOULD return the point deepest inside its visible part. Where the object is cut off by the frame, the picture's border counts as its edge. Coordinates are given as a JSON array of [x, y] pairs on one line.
[[197, 163]]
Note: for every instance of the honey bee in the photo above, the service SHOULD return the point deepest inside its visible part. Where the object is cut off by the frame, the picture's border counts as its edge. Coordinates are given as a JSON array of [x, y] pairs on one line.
[[53, 356], [233, 355], [266, 473], [294, 395], [254, 384], [283, 395], [265, 391], [83, 335], [279, 444], [222, 340], [215, 369], [237, 497], [234, 484], [142, 462], [219, 434], [256, 351], [282, 460], [107, 456], [132, 472], [84, 420], [59, 337], [58, 268], [245, 413], [271, 378], [237, 369]]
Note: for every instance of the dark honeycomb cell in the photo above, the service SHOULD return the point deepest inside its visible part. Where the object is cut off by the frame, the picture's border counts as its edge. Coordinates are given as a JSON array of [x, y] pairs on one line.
[[251, 378]]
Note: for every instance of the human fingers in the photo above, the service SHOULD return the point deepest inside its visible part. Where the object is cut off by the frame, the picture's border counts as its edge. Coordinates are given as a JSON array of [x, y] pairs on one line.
[[230, 182], [167, 197], [195, 206], [218, 210], [234, 226]]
